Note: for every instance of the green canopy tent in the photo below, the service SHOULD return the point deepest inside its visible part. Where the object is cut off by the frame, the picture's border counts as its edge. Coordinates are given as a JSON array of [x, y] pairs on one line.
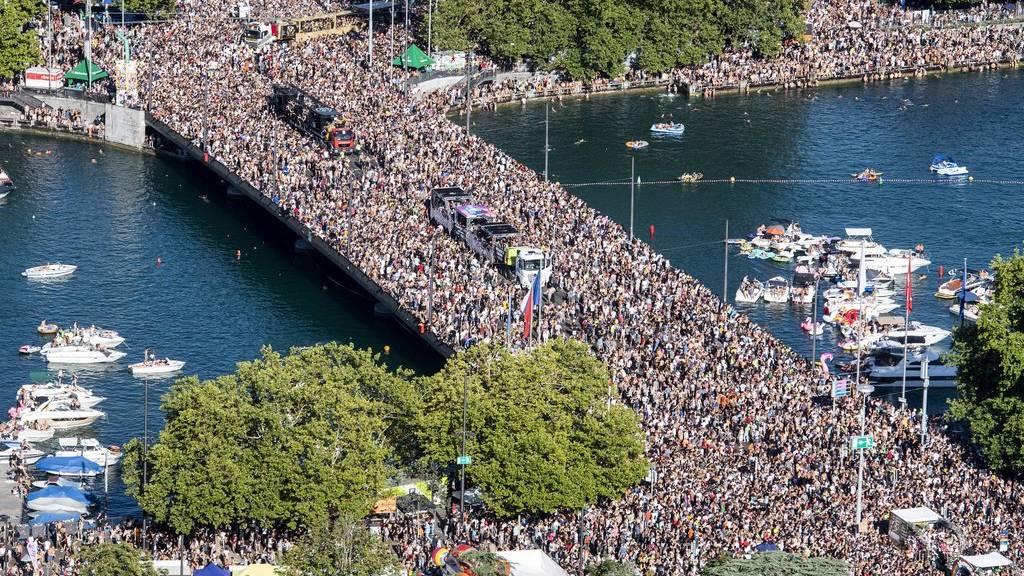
[[414, 58], [85, 71]]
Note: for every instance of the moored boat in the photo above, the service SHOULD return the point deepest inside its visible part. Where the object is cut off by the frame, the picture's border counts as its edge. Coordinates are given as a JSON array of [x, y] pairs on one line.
[[80, 355], [776, 290], [49, 271], [6, 184], [637, 144], [670, 128], [944, 165], [750, 291]]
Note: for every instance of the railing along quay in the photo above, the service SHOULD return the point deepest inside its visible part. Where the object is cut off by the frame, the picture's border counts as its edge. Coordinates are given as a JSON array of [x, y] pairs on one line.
[[356, 274]]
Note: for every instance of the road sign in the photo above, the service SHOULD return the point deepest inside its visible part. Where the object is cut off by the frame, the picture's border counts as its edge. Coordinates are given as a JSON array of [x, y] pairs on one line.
[[862, 442], [464, 460]]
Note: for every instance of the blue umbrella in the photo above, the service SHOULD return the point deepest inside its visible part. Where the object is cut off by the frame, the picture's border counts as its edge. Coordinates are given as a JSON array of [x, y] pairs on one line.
[[69, 466], [766, 547], [967, 296], [211, 569], [60, 492], [48, 517]]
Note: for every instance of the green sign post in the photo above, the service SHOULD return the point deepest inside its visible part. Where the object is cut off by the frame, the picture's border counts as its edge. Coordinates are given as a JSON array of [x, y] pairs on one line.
[[862, 442], [464, 460]]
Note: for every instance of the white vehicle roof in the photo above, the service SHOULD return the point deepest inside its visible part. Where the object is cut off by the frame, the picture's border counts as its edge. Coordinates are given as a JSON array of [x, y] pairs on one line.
[[917, 515], [858, 232], [990, 560]]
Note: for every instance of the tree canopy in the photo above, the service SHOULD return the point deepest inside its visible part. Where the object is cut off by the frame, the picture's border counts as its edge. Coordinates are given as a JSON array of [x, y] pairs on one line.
[[990, 358], [340, 547], [19, 44], [541, 433], [114, 560], [286, 440], [777, 564], [587, 38], [151, 8]]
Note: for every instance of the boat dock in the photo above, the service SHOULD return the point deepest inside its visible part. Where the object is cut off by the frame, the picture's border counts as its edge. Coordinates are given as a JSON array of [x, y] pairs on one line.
[[385, 302]]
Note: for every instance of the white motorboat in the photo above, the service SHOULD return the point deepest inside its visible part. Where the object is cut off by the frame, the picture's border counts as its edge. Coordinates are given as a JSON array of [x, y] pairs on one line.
[[949, 289], [49, 271], [776, 290], [918, 335], [894, 261], [750, 291], [80, 355], [151, 367], [59, 415], [858, 238], [28, 434], [670, 128], [56, 481], [91, 336], [939, 374], [91, 449], [54, 391], [57, 499], [29, 454], [6, 184], [944, 165]]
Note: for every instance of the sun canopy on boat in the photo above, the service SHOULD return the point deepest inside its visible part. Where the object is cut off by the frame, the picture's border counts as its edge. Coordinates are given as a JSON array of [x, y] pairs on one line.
[[69, 492], [85, 71], [211, 569], [775, 230], [413, 58], [68, 465], [939, 158], [968, 297], [48, 517], [858, 232]]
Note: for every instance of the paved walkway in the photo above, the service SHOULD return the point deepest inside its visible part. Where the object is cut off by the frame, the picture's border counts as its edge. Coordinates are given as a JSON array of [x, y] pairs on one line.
[[11, 506]]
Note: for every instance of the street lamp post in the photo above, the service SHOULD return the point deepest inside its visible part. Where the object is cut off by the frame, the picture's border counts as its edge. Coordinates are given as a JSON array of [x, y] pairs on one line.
[[865, 391], [924, 402], [547, 109], [462, 461], [145, 446], [632, 192]]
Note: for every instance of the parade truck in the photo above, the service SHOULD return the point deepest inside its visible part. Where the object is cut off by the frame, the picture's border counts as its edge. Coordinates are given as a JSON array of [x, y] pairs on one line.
[[443, 202], [308, 115], [525, 262], [491, 240], [468, 217], [260, 34]]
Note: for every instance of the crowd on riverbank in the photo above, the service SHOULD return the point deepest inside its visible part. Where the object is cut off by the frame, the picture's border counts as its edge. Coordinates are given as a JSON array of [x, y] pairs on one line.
[[742, 448]]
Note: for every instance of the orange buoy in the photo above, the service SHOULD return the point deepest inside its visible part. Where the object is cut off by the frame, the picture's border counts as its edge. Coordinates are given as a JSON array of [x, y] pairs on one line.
[[238, 254], [651, 229], [387, 349], [159, 260]]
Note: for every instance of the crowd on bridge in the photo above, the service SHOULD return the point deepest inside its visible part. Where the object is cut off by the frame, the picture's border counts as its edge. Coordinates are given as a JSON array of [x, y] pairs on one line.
[[742, 448]]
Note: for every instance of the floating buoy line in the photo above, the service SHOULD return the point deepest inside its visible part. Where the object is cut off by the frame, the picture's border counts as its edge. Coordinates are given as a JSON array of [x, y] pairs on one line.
[[879, 182]]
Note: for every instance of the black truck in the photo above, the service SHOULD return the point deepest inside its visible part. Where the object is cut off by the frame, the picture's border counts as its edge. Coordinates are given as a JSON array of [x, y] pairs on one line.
[[312, 117]]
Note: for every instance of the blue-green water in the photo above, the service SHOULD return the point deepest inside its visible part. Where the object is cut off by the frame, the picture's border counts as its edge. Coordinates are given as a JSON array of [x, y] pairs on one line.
[[830, 133], [114, 219]]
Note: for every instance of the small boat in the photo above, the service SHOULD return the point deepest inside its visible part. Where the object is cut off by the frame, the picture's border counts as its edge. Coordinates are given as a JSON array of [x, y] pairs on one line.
[[948, 290], [52, 391], [867, 175], [670, 128], [54, 480], [811, 327], [60, 415], [149, 367], [939, 374], [750, 291], [49, 271], [29, 454], [918, 335], [944, 165], [69, 466], [776, 290], [858, 239], [47, 329], [89, 448], [637, 144], [80, 355], [58, 499], [894, 261], [691, 176], [29, 349], [6, 184], [883, 280]]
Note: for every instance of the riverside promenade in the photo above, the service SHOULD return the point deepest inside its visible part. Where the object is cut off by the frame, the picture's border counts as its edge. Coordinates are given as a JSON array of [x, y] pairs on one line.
[[743, 449]]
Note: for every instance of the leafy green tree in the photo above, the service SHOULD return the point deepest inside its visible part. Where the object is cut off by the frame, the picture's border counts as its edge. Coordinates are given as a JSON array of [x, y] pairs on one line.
[[340, 547], [115, 560], [152, 8], [19, 44], [285, 440], [542, 434], [610, 567], [778, 564], [990, 358]]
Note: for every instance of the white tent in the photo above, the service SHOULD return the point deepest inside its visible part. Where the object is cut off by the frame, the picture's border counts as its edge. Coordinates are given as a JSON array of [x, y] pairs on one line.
[[902, 522], [982, 562], [532, 563]]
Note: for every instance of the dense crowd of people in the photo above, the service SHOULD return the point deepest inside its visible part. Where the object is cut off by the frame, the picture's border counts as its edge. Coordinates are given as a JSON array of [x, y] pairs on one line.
[[742, 449]]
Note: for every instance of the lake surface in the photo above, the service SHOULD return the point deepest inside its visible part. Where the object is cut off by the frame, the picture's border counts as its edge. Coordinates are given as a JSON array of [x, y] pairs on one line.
[[114, 218], [826, 134]]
